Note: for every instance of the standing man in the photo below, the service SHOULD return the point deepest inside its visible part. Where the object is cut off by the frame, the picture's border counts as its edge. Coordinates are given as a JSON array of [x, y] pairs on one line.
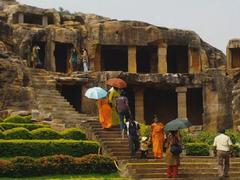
[[85, 60], [222, 144], [132, 128]]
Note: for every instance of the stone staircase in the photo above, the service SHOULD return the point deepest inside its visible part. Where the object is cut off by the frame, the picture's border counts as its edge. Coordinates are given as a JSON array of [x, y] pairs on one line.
[[49, 100], [191, 168]]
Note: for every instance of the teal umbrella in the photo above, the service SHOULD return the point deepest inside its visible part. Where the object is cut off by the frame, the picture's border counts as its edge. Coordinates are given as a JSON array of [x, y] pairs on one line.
[[96, 93], [177, 124]]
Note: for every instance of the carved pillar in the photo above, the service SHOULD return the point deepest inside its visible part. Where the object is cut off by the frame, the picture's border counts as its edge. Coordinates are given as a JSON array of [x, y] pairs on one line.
[[45, 20], [182, 102], [194, 62], [20, 18], [132, 60], [139, 105], [162, 58]]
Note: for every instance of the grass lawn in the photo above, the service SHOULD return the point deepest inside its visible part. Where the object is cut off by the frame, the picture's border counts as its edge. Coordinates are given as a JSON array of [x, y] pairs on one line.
[[114, 176]]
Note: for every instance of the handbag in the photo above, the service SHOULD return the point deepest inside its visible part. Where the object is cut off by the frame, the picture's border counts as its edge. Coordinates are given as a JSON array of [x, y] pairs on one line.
[[176, 149]]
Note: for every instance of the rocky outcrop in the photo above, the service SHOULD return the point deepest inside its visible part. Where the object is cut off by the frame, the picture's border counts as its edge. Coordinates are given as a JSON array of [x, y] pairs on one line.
[[236, 102], [15, 91]]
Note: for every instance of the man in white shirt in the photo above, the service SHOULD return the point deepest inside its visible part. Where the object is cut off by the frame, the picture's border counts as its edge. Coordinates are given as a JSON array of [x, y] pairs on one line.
[[222, 144]]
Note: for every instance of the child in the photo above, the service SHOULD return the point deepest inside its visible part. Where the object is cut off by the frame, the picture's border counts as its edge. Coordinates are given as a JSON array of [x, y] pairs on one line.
[[144, 143]]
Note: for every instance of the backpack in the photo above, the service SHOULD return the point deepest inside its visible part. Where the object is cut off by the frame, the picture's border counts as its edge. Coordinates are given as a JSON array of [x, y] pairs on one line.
[[133, 127], [176, 149], [121, 104]]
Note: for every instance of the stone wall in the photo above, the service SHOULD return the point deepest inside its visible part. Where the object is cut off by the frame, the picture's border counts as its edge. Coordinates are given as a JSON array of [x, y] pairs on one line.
[[236, 102]]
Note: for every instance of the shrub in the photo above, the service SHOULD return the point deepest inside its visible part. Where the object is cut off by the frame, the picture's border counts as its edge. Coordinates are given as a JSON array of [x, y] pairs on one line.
[[187, 137], [73, 133], [45, 133], [1, 135], [205, 137], [145, 130], [1, 128], [235, 136], [38, 148], [236, 150], [197, 149], [18, 119], [30, 127], [17, 133], [93, 163], [57, 164]]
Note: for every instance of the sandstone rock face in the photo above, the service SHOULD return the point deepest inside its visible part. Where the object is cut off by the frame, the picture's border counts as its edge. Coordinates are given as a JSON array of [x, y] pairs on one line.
[[236, 103], [15, 92]]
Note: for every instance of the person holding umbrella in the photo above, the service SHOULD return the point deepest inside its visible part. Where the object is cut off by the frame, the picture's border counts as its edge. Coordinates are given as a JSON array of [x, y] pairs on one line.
[[104, 109], [116, 84]]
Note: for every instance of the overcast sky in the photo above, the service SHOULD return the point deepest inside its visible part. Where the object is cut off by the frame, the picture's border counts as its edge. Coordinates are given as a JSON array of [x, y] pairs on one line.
[[216, 21]]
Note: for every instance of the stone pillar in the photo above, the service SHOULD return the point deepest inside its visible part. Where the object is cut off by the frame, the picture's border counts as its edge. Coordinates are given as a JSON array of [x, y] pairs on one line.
[[162, 58], [45, 20], [20, 18], [194, 62], [132, 59], [97, 59], [139, 105], [182, 102]]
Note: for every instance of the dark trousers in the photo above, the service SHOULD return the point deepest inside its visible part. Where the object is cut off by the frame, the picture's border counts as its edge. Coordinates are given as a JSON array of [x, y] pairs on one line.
[[223, 163], [134, 145], [144, 154]]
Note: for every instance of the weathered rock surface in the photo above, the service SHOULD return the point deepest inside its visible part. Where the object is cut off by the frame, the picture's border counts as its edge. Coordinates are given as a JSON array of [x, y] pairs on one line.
[[15, 92]]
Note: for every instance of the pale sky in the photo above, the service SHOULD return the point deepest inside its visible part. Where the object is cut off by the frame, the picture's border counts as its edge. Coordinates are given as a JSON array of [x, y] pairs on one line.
[[216, 21]]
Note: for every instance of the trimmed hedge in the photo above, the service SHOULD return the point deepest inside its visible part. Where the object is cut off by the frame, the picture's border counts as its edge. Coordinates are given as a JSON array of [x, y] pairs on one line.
[[57, 164], [17, 133], [30, 126], [18, 119], [45, 133], [38, 148], [197, 149], [73, 133]]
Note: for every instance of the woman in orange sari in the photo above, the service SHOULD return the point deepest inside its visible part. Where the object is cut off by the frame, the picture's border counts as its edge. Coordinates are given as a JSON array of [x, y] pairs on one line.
[[105, 113], [157, 138]]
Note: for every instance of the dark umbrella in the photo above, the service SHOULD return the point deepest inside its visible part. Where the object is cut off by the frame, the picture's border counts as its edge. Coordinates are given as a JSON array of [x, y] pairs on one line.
[[177, 124]]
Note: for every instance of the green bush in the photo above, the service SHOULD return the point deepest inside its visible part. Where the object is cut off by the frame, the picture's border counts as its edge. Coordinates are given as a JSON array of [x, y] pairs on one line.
[[2, 128], [17, 133], [45, 133], [18, 119], [30, 126], [197, 149], [187, 137], [1, 135], [234, 136], [145, 130], [57, 164], [38, 148], [205, 137], [73, 133], [236, 150]]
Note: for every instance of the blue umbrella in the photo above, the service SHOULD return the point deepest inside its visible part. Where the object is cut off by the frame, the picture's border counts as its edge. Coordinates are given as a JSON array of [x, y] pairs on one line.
[[177, 124], [96, 93]]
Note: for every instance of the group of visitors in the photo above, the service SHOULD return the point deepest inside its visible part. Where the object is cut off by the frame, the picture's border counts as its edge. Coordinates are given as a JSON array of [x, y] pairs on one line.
[[76, 61], [79, 63]]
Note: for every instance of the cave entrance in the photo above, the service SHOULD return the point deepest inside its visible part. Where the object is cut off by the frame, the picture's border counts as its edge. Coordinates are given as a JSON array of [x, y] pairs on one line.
[[130, 94], [33, 18], [114, 58], [41, 52], [62, 54], [235, 57], [147, 59], [177, 59], [73, 94], [195, 106], [162, 102]]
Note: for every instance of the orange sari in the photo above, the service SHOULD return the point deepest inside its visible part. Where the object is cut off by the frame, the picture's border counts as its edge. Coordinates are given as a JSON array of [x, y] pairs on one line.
[[105, 113], [157, 139]]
